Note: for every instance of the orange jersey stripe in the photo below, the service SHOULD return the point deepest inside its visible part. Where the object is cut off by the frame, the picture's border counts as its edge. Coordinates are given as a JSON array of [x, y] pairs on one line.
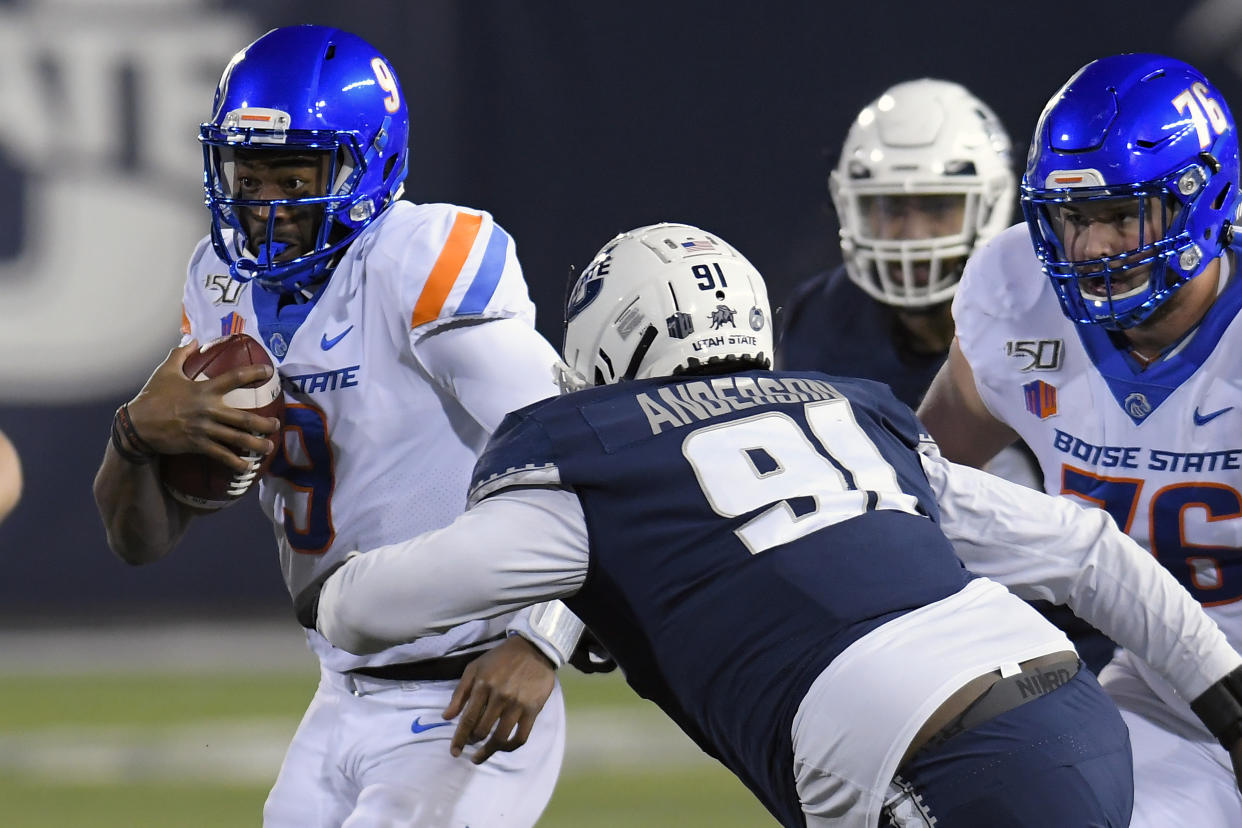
[[447, 267], [185, 322]]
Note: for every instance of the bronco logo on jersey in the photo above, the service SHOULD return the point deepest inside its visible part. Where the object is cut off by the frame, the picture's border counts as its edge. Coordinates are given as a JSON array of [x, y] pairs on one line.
[[1137, 406], [1041, 398], [721, 315], [1043, 354]]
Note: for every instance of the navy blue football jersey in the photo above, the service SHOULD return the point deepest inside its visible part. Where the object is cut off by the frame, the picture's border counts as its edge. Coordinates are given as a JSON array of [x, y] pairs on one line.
[[744, 530], [829, 324]]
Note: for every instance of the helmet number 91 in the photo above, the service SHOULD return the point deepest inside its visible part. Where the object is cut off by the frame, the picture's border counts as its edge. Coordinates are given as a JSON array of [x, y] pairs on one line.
[[387, 82], [1203, 111], [704, 274]]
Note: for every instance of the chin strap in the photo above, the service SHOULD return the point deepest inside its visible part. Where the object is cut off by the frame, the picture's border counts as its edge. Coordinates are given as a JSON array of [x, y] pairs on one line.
[[567, 379], [1220, 709], [245, 268]]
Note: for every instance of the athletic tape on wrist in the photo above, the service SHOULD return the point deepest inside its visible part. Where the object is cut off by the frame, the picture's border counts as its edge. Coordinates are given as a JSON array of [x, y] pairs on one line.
[[556, 627]]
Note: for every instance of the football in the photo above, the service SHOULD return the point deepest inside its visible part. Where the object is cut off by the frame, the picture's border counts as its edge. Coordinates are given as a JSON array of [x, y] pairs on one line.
[[197, 480]]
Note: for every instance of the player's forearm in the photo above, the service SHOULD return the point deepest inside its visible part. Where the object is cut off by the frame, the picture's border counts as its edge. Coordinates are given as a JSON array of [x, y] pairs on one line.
[[1051, 548], [143, 522], [400, 593], [1125, 593], [512, 550], [956, 417]]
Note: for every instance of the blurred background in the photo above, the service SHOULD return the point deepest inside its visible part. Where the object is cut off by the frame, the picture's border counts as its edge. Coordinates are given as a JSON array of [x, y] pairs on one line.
[[569, 122]]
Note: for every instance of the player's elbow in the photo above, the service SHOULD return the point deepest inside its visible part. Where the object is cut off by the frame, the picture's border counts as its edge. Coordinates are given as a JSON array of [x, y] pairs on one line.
[[346, 630], [134, 541], [132, 546], [347, 623]]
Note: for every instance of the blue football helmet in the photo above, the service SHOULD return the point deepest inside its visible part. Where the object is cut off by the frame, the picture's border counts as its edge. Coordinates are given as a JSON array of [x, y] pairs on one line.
[[303, 91], [1131, 186]]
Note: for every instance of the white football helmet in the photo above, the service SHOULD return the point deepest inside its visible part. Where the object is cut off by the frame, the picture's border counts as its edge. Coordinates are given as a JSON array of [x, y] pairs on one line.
[[924, 178], [662, 299]]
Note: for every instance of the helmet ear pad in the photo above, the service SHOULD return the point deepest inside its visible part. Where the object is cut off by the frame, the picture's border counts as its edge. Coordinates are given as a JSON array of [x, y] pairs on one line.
[[313, 88], [665, 299], [1124, 129], [923, 142]]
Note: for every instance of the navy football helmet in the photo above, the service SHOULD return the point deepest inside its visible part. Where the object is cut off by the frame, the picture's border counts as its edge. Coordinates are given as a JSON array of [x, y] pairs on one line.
[[1131, 186], [311, 92]]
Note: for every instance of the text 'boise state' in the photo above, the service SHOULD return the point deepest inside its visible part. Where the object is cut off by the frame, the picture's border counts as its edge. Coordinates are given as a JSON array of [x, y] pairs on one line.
[[325, 380], [1151, 459]]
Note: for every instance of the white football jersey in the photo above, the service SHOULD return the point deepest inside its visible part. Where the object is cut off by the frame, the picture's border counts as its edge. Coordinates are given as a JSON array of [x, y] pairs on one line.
[[1160, 449], [375, 450]]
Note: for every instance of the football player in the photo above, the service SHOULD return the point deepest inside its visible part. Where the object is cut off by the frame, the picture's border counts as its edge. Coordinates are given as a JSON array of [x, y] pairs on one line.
[[1110, 346], [402, 333], [924, 179], [769, 556]]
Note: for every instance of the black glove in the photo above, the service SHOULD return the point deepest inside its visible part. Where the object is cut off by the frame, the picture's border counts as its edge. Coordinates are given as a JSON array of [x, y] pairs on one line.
[[1220, 708]]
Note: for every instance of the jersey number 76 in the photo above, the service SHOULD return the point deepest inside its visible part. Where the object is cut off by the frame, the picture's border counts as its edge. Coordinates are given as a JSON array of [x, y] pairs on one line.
[[1212, 574]]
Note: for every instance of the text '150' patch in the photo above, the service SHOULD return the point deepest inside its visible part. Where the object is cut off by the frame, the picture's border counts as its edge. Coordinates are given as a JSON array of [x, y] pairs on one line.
[[1037, 354]]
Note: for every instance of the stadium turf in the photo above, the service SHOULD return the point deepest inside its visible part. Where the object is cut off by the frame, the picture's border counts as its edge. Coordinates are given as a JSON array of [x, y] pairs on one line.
[[156, 750]]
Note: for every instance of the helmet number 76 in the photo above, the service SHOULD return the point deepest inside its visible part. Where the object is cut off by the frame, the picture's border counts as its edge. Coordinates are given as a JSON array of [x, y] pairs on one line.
[[1195, 102]]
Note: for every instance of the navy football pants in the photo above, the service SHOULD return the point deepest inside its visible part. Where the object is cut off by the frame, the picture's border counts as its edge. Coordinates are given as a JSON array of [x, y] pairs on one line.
[[1060, 761]]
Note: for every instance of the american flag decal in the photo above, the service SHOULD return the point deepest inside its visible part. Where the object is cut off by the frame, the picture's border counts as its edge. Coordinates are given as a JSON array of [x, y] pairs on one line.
[[699, 246], [232, 323], [1041, 398]]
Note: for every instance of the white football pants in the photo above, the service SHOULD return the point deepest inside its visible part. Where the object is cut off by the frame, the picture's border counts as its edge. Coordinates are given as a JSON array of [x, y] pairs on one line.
[[365, 757], [1180, 778]]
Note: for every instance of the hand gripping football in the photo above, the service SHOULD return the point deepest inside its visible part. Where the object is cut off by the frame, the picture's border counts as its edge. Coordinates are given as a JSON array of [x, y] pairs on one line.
[[198, 480]]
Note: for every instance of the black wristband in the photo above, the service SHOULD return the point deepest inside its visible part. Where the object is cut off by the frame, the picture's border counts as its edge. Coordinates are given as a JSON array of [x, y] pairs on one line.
[[140, 453], [1220, 708]]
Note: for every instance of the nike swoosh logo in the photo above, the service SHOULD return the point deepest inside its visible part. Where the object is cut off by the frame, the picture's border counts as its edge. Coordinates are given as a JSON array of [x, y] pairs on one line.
[[327, 344], [419, 727], [1203, 419]]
